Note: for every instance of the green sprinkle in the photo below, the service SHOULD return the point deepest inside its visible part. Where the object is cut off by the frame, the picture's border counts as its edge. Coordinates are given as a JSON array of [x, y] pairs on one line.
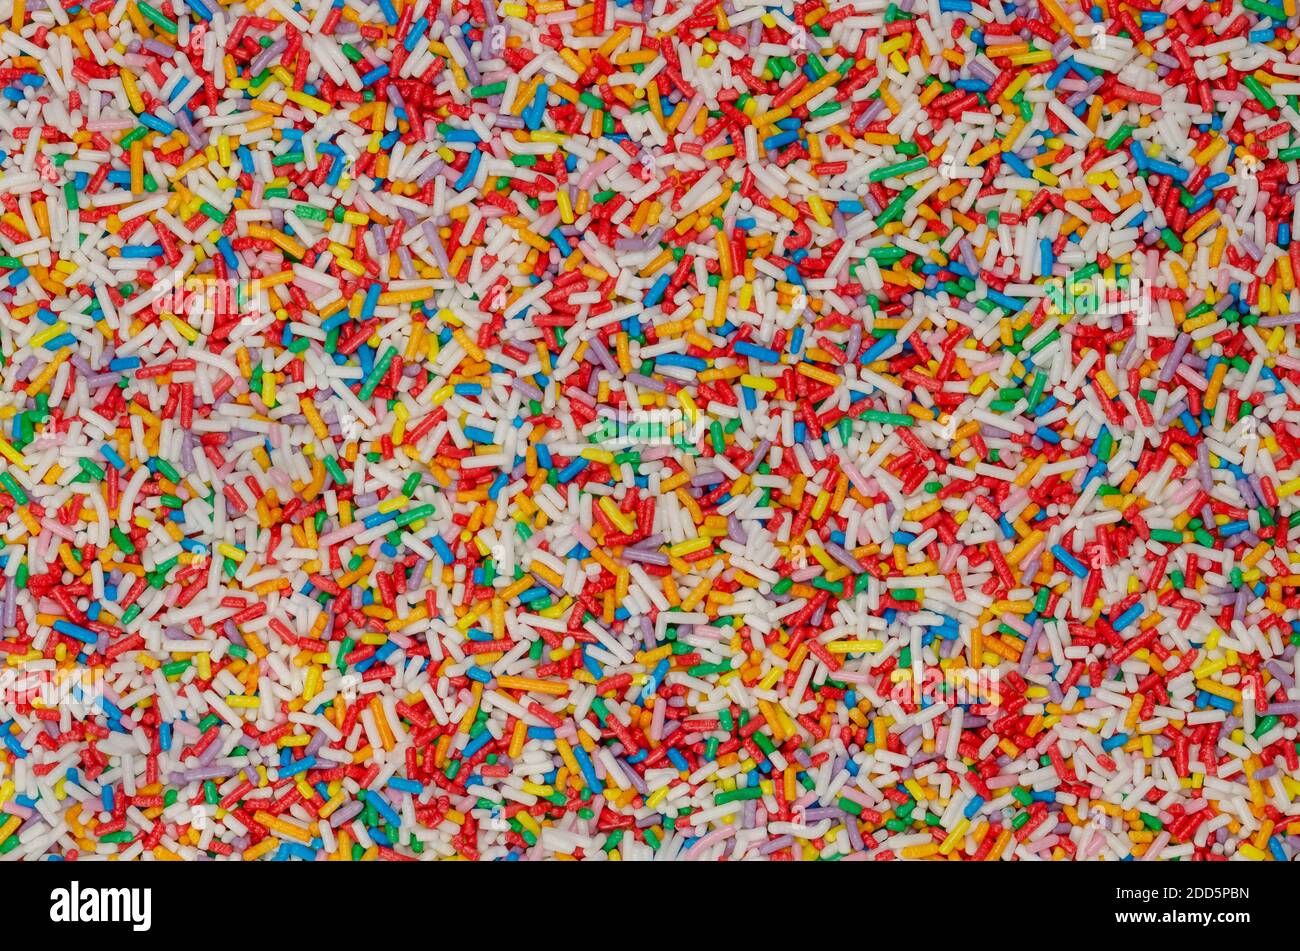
[[902, 168]]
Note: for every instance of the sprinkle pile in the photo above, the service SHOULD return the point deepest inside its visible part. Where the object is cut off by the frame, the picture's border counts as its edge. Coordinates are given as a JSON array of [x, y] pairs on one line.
[[842, 429]]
